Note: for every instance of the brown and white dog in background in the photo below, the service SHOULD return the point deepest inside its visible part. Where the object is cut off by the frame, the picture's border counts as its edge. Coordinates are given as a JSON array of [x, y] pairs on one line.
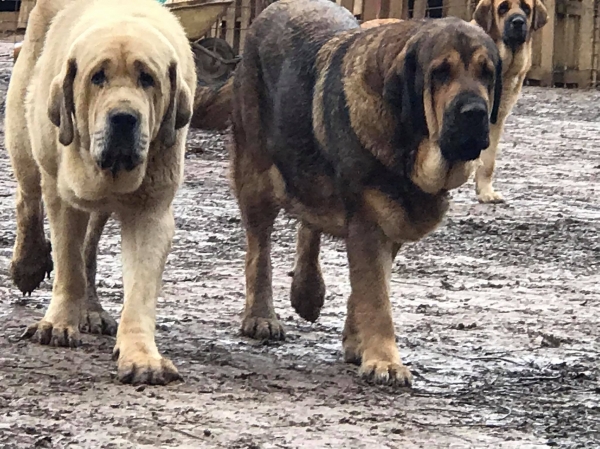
[[511, 24]]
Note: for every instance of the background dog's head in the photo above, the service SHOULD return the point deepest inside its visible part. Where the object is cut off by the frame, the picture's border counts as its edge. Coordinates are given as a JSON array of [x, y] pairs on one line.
[[119, 91], [446, 85], [511, 21]]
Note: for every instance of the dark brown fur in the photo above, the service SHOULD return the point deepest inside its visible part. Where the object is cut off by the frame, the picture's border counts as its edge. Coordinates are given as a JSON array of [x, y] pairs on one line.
[[492, 16], [358, 134]]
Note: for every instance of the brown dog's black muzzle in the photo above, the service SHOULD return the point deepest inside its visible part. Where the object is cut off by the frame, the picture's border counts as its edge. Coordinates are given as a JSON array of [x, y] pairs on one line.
[[122, 142], [466, 129], [515, 31]]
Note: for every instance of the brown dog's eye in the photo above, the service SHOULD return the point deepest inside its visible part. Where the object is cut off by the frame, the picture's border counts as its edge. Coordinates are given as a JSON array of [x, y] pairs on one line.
[[99, 78], [146, 80], [526, 9], [487, 74], [503, 8], [442, 73]]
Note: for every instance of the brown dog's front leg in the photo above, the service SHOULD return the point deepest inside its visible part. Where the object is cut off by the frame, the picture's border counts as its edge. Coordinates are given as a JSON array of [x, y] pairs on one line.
[[146, 240], [369, 337], [308, 287]]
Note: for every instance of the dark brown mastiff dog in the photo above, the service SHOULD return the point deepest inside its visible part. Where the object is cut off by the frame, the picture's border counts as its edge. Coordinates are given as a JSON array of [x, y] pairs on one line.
[[358, 134]]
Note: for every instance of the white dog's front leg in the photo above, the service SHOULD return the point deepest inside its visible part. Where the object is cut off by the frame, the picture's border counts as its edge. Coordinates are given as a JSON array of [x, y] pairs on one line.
[[146, 241]]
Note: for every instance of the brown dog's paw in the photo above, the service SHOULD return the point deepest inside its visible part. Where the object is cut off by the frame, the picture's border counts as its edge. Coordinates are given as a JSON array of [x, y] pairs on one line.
[[308, 294], [140, 368], [29, 270], [262, 328], [99, 322], [47, 333], [386, 373]]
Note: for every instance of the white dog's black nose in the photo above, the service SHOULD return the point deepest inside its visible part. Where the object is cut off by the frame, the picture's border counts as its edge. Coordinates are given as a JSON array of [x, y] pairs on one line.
[[124, 121], [122, 144]]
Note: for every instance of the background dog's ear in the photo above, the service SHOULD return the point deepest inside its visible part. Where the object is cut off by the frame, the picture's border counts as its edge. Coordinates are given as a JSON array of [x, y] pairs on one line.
[[540, 15], [484, 15], [61, 104], [403, 92], [179, 110], [497, 93]]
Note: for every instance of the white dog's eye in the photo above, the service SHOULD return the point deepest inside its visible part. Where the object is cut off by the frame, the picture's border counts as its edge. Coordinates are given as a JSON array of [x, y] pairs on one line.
[[146, 80], [99, 78]]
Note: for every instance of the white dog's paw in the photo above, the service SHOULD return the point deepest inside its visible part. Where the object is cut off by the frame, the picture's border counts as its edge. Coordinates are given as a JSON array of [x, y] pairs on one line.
[[490, 196]]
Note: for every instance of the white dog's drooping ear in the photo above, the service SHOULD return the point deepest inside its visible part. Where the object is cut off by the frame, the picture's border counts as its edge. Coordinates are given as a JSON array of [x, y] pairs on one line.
[[61, 104], [179, 110]]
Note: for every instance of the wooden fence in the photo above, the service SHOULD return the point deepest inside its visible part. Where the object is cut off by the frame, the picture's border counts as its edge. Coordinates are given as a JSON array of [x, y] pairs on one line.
[[566, 52]]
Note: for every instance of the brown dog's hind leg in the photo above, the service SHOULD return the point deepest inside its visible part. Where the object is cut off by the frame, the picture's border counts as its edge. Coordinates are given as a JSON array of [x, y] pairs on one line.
[[60, 325], [95, 320], [369, 338], [32, 255], [308, 287]]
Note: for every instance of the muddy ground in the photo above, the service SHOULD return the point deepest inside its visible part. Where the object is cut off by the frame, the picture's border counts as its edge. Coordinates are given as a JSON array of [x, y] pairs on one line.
[[496, 313]]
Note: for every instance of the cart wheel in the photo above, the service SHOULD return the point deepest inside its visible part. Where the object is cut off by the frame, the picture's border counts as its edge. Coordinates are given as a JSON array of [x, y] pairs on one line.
[[208, 69]]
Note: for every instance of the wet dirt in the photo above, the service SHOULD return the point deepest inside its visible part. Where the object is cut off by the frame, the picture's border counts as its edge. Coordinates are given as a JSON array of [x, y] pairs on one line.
[[496, 314]]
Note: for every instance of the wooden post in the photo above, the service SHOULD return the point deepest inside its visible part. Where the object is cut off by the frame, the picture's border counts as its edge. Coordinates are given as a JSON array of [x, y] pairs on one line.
[[245, 16], [24, 11], [396, 9], [370, 10], [230, 23], [546, 69], [458, 8], [586, 47], [420, 9]]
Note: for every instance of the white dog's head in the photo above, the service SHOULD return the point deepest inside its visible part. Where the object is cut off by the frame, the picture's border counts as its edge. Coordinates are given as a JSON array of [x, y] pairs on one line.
[[119, 91]]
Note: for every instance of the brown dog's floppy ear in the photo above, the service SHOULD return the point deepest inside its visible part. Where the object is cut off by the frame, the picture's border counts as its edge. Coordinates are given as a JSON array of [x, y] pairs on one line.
[[403, 92], [179, 110], [484, 15], [497, 93], [61, 104], [540, 15]]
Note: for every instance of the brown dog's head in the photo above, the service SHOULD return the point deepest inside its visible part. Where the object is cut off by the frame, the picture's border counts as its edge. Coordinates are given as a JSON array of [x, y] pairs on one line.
[[446, 85], [511, 21], [119, 91]]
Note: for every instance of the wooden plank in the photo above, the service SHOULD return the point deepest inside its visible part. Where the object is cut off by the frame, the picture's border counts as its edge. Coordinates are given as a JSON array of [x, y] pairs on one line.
[[24, 11], [348, 4], [546, 35], [458, 8], [420, 9], [396, 9], [384, 10], [230, 23], [370, 10], [8, 21], [586, 44]]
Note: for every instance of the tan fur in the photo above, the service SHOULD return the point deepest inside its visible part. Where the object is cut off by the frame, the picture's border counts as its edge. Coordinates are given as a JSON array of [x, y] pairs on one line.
[[54, 135], [515, 66], [377, 22]]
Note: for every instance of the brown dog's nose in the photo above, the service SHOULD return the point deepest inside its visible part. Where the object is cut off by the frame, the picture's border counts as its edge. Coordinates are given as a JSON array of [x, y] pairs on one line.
[[518, 23], [474, 112]]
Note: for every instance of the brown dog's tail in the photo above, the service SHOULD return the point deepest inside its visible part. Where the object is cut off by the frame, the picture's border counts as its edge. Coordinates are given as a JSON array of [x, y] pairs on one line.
[[212, 106]]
